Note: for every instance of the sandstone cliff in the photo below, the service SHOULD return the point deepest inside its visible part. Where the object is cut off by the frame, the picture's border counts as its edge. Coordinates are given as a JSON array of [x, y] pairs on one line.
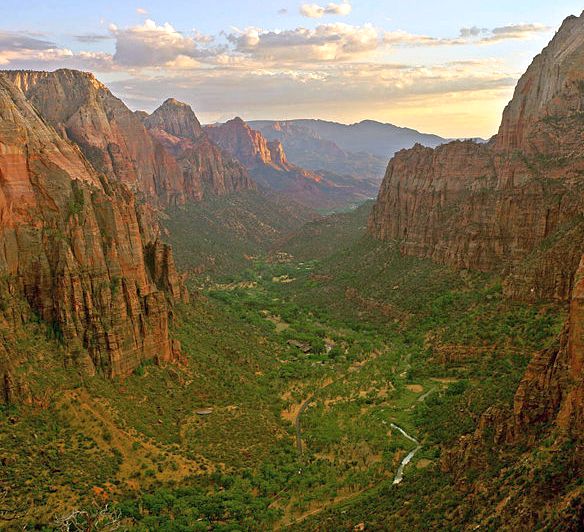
[[72, 250], [111, 136], [513, 205], [491, 206], [269, 167], [206, 169]]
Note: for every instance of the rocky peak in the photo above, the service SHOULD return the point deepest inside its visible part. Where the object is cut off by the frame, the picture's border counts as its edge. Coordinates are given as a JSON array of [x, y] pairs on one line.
[[112, 137], [490, 206], [176, 118], [246, 144], [72, 251], [552, 87]]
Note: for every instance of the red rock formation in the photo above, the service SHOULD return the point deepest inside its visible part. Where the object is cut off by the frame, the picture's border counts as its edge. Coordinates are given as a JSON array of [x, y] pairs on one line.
[[206, 169], [270, 168], [111, 136], [516, 205], [72, 247], [552, 389], [177, 119], [489, 206]]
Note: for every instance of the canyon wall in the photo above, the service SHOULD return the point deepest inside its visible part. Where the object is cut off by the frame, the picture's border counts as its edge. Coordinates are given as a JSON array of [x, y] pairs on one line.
[[73, 247], [501, 206], [269, 167], [206, 168], [165, 159], [514, 205]]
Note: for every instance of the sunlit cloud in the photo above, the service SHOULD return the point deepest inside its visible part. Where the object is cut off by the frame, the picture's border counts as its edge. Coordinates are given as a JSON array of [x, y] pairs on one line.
[[317, 11], [337, 70], [327, 42], [467, 36], [152, 45]]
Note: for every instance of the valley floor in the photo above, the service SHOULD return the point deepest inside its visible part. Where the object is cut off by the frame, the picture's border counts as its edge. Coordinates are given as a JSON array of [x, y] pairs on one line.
[[299, 372]]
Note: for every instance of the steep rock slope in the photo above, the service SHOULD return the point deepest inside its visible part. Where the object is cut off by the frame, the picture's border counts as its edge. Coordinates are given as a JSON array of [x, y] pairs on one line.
[[307, 148], [491, 206], [111, 136], [206, 169], [269, 166], [514, 205], [76, 252]]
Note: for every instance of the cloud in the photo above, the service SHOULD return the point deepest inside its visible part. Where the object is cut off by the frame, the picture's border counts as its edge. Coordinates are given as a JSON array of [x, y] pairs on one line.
[[473, 31], [327, 42], [90, 38], [517, 31], [11, 41], [29, 51], [340, 90], [317, 11], [282, 11], [467, 35], [141, 11], [151, 45]]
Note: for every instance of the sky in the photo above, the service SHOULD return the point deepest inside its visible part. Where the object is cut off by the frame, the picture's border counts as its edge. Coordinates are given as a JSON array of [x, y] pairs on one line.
[[446, 67]]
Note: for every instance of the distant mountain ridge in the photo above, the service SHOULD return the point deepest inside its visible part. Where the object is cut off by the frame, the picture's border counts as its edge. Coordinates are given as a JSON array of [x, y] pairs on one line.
[[267, 162], [368, 136]]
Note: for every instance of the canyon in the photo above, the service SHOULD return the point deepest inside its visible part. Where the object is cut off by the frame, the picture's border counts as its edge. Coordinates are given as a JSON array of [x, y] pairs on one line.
[[430, 341], [515, 206]]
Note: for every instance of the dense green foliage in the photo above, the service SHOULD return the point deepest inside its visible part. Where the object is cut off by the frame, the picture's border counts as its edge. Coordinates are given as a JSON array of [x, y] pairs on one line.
[[336, 326]]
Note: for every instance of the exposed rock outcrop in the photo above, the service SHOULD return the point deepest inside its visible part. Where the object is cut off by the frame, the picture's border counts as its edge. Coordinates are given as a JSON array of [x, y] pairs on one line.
[[269, 167], [490, 206], [206, 169], [112, 137], [72, 244], [514, 205]]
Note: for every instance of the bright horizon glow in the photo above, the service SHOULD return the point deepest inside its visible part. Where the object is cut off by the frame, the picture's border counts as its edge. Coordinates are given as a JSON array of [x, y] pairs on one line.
[[446, 68]]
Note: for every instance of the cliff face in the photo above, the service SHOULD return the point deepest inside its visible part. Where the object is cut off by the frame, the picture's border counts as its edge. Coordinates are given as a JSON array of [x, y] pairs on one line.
[[111, 136], [513, 205], [269, 167], [72, 251], [206, 169], [491, 206], [177, 119], [248, 145]]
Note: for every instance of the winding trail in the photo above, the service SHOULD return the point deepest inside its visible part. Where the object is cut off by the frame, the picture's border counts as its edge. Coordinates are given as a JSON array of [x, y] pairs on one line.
[[399, 475], [297, 423]]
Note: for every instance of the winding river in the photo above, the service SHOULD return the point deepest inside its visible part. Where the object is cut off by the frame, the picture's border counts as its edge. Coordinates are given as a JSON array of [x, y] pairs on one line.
[[400, 470]]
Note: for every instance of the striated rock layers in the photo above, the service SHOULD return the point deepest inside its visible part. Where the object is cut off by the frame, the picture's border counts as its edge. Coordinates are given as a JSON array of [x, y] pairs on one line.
[[270, 168], [160, 165], [515, 204], [206, 169], [75, 249]]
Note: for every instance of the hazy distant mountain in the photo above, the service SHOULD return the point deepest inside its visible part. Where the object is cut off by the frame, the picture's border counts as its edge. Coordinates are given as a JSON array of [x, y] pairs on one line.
[[368, 136], [269, 166], [307, 148]]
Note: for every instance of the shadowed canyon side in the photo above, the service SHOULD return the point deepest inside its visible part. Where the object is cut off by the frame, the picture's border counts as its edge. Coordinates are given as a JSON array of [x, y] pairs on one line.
[[73, 252], [172, 164], [516, 202], [270, 168], [516, 206]]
